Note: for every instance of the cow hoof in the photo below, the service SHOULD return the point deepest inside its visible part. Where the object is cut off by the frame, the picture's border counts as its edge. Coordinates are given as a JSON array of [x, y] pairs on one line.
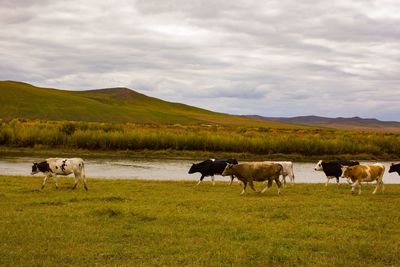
[[86, 188]]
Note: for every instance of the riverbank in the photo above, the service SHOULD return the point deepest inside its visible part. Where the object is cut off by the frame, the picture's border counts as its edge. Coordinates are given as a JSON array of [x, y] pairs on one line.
[[142, 223], [46, 152]]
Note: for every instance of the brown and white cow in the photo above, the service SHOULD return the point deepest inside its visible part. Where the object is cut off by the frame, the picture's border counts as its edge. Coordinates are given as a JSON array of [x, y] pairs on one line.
[[365, 173], [255, 171]]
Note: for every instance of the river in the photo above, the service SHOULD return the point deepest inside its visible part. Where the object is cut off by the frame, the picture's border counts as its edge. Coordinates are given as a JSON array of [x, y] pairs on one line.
[[162, 169]]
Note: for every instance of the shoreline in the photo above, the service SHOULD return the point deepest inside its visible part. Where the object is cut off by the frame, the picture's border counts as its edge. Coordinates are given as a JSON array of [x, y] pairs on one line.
[[206, 183], [46, 152]]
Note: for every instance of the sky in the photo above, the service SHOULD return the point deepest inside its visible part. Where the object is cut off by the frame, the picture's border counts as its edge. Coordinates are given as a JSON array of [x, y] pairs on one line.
[[270, 58]]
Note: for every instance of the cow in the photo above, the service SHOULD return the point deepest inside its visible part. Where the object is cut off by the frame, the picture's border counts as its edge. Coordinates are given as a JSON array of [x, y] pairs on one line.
[[52, 167], [365, 173], [287, 170], [333, 169], [210, 167], [395, 168], [255, 171]]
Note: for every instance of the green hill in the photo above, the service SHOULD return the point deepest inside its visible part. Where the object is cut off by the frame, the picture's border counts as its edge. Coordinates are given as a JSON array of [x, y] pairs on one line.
[[25, 101]]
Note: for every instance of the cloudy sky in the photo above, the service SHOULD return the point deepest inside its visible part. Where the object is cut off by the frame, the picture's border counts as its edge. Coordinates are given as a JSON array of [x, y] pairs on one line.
[[272, 58]]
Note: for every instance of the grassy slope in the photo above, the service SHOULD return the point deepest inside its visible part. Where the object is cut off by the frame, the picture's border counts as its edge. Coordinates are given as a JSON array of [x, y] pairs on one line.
[[148, 223], [21, 100]]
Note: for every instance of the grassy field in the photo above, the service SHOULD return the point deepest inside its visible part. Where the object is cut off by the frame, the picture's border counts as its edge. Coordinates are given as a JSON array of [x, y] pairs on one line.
[[269, 142], [152, 223]]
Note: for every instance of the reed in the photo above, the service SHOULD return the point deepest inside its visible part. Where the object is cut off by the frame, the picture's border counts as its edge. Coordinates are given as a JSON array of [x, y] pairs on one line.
[[109, 136]]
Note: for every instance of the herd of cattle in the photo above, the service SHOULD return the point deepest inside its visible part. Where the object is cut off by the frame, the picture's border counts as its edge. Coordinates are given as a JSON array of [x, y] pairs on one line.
[[246, 173]]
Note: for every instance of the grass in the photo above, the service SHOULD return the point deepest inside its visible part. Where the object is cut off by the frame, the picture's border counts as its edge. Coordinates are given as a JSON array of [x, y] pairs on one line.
[[154, 223]]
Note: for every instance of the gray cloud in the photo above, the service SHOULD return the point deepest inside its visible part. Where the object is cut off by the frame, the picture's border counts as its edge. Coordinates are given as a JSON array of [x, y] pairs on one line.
[[273, 58]]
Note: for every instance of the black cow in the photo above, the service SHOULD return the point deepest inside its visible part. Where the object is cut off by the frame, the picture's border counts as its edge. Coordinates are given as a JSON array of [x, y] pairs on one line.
[[395, 168], [210, 167], [333, 169]]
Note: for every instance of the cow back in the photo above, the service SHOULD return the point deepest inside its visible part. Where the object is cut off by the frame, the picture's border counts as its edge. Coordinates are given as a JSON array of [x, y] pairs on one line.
[[365, 172], [211, 166], [257, 171]]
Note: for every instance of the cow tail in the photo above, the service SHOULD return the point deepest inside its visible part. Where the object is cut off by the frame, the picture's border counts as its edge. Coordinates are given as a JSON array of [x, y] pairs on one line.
[[381, 175], [291, 168], [280, 173], [281, 169]]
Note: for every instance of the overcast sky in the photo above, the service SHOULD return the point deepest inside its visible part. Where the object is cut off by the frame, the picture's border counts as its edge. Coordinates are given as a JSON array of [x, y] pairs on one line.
[[271, 58]]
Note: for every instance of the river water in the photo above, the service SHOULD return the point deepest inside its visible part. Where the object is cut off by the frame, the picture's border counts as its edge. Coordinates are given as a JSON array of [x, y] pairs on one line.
[[163, 169]]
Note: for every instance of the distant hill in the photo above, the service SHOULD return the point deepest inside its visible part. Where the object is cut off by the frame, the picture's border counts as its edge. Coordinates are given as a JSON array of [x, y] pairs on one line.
[[25, 101], [339, 122]]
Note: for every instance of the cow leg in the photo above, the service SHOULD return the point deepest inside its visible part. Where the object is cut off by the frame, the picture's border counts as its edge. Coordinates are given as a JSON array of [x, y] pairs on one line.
[[252, 185], [232, 177], [337, 181], [353, 186], [278, 183], [269, 184], [327, 181], [85, 182], [244, 188], [212, 179], [376, 186], [55, 181], [201, 179], [44, 180], [284, 180], [75, 183]]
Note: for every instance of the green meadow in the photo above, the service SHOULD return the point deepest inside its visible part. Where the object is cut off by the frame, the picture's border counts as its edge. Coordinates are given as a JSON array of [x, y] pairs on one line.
[[118, 105], [161, 223]]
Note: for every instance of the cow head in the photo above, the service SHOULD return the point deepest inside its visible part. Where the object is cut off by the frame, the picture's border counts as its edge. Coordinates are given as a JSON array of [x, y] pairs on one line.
[[346, 171], [318, 167], [228, 170], [193, 169], [35, 168], [394, 168]]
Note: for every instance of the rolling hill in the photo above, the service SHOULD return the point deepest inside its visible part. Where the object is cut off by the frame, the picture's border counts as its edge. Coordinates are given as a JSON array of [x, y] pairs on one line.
[[354, 123], [25, 101]]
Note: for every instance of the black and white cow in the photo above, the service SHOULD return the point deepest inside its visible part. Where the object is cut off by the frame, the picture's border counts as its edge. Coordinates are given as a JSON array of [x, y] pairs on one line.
[[395, 168], [52, 167], [333, 169], [210, 167]]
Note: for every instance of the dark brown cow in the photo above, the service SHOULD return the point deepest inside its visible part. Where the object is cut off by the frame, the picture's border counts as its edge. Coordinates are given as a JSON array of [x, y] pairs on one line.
[[255, 171]]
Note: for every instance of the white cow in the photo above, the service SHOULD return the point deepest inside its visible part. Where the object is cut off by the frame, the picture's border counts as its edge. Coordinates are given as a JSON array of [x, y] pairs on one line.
[[51, 167], [287, 170]]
